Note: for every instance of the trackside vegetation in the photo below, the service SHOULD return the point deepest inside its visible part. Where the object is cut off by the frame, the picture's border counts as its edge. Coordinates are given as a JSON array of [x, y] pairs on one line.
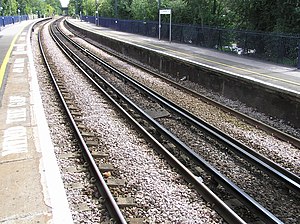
[[281, 16]]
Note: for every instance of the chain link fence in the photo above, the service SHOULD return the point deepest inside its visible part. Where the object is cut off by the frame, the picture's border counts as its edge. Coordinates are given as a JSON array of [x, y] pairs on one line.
[[274, 47]]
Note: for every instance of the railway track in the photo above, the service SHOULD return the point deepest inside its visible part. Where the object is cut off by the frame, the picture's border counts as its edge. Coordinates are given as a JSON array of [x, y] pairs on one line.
[[178, 82], [138, 105], [293, 179], [235, 124], [115, 96], [83, 139]]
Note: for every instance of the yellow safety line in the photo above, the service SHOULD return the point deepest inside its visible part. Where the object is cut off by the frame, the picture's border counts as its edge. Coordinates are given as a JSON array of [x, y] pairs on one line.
[[231, 66], [215, 62], [6, 58]]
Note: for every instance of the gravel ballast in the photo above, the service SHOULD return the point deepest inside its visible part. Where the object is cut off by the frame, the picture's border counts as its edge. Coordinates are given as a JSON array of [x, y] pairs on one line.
[[279, 151], [160, 194]]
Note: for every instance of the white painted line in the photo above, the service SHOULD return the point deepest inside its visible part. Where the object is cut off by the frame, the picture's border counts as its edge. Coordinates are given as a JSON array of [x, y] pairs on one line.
[[53, 188], [16, 101], [20, 48], [20, 60], [19, 52], [15, 115], [18, 65], [14, 141], [20, 45], [18, 70]]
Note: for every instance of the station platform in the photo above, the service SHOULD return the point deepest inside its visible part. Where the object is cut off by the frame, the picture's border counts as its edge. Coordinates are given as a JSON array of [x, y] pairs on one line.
[[276, 76], [31, 187]]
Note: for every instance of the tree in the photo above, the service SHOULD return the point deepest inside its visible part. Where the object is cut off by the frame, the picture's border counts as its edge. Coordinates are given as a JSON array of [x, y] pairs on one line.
[[75, 7], [124, 9], [144, 9], [287, 16], [106, 8], [10, 7], [45, 7], [53, 6], [179, 12], [261, 15]]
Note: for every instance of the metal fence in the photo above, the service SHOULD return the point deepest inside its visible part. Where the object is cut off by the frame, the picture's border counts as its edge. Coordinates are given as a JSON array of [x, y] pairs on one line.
[[274, 47], [6, 20]]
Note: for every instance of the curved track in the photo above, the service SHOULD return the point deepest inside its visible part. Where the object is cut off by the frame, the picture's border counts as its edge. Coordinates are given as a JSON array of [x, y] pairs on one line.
[[71, 114], [291, 180], [256, 123], [123, 103]]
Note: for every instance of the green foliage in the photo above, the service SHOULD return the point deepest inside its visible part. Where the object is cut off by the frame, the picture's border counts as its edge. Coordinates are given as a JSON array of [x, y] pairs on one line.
[[10, 7], [89, 7], [52, 7], [144, 9], [265, 15], [44, 7], [75, 7], [287, 16], [124, 9], [262, 15], [106, 8], [179, 10]]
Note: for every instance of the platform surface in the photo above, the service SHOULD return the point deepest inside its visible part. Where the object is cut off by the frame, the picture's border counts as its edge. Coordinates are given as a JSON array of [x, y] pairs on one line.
[[277, 76], [31, 188]]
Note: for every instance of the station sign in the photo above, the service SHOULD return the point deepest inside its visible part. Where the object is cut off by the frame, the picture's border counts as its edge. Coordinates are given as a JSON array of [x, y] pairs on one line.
[[165, 11]]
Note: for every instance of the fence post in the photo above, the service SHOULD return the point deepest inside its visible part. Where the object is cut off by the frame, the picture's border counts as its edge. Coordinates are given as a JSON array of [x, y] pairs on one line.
[[298, 65], [219, 40], [246, 45]]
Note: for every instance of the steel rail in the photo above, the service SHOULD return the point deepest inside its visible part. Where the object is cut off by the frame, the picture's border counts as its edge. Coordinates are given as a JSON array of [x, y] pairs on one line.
[[224, 210], [263, 213], [263, 126], [291, 180], [111, 204]]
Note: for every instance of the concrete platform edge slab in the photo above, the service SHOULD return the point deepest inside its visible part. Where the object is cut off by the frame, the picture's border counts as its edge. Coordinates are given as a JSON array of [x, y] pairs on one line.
[[54, 192]]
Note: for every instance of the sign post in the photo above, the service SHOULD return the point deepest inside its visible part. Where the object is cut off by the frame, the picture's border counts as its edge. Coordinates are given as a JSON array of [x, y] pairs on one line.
[[165, 12], [96, 18], [298, 64]]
